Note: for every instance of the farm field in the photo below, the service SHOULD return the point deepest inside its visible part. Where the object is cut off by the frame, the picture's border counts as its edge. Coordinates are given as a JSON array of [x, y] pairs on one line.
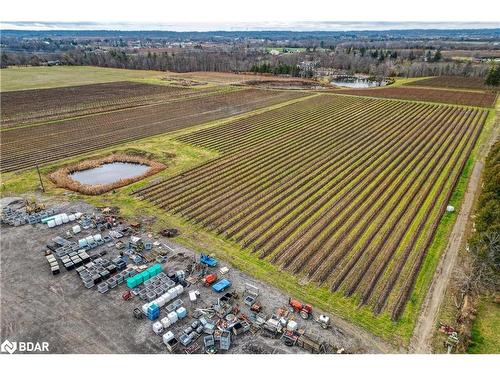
[[301, 189], [468, 98], [24, 147], [452, 82], [42, 77], [29, 106]]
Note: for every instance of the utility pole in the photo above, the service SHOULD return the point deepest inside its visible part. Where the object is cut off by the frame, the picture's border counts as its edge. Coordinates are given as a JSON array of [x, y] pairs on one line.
[[40, 178]]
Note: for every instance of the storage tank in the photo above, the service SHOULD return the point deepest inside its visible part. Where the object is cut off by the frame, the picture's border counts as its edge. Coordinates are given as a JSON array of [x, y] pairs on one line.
[[172, 316], [181, 312], [145, 308], [157, 328], [173, 293], [167, 337], [179, 289], [165, 322]]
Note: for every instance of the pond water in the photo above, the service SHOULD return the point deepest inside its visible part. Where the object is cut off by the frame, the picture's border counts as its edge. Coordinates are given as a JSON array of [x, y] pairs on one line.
[[109, 173], [356, 83]]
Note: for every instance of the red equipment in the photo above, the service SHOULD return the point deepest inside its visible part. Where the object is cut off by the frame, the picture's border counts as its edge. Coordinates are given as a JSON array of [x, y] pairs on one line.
[[303, 310], [127, 295], [210, 279]]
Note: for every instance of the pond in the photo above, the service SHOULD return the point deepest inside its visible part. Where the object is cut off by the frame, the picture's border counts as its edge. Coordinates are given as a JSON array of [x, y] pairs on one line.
[[356, 82], [109, 173]]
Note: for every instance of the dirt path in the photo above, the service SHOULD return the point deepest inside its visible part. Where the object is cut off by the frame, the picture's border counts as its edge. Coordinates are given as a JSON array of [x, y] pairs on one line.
[[422, 335]]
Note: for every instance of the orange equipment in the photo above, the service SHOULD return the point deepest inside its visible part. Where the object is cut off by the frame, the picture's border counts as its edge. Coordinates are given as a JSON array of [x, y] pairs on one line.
[[210, 279], [304, 310]]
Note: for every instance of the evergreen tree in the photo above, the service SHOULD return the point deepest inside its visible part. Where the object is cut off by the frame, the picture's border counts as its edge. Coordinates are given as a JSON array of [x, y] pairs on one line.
[[493, 77]]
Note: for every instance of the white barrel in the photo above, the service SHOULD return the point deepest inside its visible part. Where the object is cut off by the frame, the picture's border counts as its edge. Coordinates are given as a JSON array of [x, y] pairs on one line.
[[65, 218], [172, 316], [71, 217], [51, 223], [157, 328], [167, 337], [165, 322]]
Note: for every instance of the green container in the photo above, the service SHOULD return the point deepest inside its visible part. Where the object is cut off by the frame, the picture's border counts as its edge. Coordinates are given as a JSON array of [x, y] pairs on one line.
[[131, 283]]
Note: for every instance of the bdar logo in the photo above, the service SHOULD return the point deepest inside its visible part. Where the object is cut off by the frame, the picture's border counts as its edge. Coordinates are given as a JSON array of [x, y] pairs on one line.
[[8, 346]]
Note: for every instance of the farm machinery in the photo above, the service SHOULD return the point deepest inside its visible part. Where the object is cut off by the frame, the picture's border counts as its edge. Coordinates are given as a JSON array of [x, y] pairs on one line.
[[304, 310]]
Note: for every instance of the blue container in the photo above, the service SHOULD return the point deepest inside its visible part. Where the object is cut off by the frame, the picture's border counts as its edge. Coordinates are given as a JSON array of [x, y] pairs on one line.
[[181, 312]]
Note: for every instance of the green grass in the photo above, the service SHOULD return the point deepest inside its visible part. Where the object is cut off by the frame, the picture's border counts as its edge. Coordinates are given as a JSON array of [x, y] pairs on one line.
[[25, 78], [485, 330]]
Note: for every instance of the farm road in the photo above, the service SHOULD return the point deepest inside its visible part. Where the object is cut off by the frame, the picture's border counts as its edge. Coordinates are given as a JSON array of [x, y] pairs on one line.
[[426, 324]]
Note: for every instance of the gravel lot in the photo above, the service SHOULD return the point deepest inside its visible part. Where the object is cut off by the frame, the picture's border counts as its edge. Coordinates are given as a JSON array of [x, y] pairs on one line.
[[58, 309]]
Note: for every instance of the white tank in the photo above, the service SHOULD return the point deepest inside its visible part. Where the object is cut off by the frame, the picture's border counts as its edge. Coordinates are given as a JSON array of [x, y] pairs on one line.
[[51, 223], [179, 289], [157, 328], [65, 218], [160, 301], [71, 217], [173, 292], [172, 316], [165, 322], [97, 237], [167, 337], [76, 229], [58, 220], [145, 308], [292, 325], [168, 297], [78, 215]]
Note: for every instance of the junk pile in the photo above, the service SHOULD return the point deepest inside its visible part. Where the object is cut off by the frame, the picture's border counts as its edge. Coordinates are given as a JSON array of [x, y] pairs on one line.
[[53, 263], [138, 279], [163, 299], [104, 273], [21, 216], [75, 259]]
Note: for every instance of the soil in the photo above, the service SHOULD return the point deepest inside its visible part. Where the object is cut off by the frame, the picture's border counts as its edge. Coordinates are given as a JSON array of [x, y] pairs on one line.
[[472, 98], [25, 147], [27, 106]]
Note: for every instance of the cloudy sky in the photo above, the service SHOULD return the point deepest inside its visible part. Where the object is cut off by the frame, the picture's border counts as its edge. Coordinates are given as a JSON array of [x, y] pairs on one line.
[[248, 14]]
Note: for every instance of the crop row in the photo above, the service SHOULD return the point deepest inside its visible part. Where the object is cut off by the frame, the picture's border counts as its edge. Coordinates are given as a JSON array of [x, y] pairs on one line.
[[26, 147], [331, 188]]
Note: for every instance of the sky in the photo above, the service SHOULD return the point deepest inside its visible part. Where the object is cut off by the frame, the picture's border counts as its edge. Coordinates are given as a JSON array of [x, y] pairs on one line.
[[248, 14]]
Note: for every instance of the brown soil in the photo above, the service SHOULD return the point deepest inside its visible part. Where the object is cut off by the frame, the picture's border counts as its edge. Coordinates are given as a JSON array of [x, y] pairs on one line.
[[29, 106], [27, 146], [472, 98], [475, 83]]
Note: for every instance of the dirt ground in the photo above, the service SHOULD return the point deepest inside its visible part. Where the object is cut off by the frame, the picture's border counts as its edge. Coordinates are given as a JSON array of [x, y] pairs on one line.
[[58, 309]]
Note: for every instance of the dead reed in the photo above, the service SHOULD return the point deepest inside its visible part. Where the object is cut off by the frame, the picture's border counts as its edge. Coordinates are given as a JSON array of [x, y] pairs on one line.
[[62, 176]]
